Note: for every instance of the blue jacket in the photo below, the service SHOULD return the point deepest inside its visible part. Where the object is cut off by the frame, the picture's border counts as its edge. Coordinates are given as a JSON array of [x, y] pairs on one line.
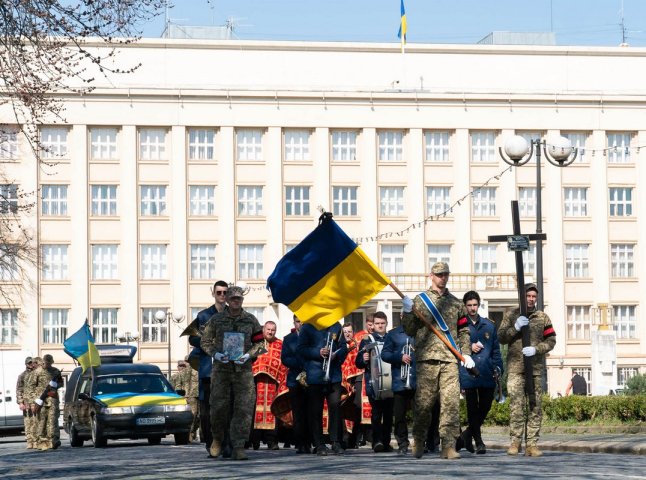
[[290, 358], [359, 362], [394, 343], [489, 357], [206, 362], [310, 342]]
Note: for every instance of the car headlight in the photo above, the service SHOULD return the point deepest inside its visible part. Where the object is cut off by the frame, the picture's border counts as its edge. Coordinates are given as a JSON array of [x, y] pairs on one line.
[[177, 408], [116, 410]]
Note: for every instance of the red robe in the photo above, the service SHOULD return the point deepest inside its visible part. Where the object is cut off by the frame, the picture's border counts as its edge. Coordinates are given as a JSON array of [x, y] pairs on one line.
[[269, 373], [350, 372]]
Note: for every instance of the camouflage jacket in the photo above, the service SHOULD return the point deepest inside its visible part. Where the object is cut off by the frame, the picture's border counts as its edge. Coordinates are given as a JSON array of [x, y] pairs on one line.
[[190, 382], [36, 383], [177, 381], [542, 336], [213, 337], [20, 387], [427, 345]]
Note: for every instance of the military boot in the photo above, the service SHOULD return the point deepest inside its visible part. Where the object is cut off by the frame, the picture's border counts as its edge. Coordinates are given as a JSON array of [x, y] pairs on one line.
[[418, 448], [216, 448], [239, 454], [533, 451], [449, 453], [514, 448]]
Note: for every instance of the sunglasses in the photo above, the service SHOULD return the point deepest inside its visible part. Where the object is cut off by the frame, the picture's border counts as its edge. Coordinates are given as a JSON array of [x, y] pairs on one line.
[[220, 292]]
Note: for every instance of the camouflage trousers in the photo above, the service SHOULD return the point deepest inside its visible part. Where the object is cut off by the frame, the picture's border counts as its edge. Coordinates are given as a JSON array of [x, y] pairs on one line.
[[194, 403], [30, 432], [437, 380], [520, 413], [34, 428], [48, 430], [237, 389]]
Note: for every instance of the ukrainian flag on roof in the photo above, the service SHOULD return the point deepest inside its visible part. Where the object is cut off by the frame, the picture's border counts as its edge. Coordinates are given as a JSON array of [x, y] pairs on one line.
[[81, 348], [325, 277], [403, 27]]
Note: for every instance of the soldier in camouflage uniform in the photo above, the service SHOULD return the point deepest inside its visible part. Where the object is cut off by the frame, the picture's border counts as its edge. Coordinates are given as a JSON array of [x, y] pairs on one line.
[[231, 378], [192, 388], [542, 340], [22, 403], [48, 404], [437, 367], [35, 385]]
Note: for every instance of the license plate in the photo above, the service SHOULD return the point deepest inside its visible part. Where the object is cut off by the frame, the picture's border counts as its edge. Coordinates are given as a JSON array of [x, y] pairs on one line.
[[151, 421]]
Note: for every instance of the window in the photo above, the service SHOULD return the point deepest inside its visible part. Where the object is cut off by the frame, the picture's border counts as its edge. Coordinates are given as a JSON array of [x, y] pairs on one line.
[[297, 145], [55, 262], [297, 201], [437, 146], [344, 201], [391, 146], [578, 141], [152, 144], [289, 246], [53, 142], [622, 257], [621, 201], [484, 259], [201, 144], [9, 270], [344, 146], [586, 373], [391, 201], [202, 262], [152, 331], [250, 262], [153, 200], [576, 260], [8, 143], [104, 200], [105, 262], [54, 200], [578, 322], [202, 200], [529, 259], [484, 202], [575, 202], [8, 198], [258, 312], [437, 200], [55, 325], [619, 148], [103, 144], [153, 262], [8, 326], [625, 323], [438, 253], [104, 325], [483, 147], [624, 374], [527, 201], [392, 259], [249, 142], [250, 200]]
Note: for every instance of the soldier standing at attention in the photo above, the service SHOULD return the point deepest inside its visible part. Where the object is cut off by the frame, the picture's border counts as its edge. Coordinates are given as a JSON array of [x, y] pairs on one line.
[[22, 404], [228, 334], [192, 388], [48, 380], [542, 340], [437, 367]]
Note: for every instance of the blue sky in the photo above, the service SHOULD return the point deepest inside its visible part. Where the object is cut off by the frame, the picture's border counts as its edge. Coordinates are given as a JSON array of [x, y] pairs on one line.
[[575, 22]]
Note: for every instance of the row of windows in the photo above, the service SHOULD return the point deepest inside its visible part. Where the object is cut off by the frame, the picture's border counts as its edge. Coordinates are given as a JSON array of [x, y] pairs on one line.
[[153, 200], [623, 375], [579, 321], [201, 144], [154, 260]]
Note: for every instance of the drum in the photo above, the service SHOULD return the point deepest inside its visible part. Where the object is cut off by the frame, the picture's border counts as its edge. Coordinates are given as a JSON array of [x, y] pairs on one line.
[[380, 375]]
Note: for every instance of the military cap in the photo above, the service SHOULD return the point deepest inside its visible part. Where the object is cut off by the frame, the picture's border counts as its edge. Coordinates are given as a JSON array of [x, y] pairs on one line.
[[531, 286], [28, 360], [235, 292], [440, 267], [48, 358]]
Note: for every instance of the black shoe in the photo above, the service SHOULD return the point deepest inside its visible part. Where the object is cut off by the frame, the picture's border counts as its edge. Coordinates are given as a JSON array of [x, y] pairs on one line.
[[287, 445], [468, 440], [459, 443], [378, 447], [481, 448], [403, 450], [273, 446], [227, 451], [300, 450], [322, 450], [256, 446], [338, 449], [388, 448]]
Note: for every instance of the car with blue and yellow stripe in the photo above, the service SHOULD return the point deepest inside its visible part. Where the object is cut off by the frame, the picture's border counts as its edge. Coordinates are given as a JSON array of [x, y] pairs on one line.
[[124, 400]]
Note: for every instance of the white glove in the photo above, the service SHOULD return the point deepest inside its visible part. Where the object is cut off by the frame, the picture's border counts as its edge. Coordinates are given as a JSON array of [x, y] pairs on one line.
[[521, 322], [407, 303], [468, 362], [53, 384], [220, 357], [529, 351], [242, 359], [39, 402]]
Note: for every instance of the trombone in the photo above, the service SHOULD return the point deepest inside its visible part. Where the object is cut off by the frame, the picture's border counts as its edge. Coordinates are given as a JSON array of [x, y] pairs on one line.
[[405, 371]]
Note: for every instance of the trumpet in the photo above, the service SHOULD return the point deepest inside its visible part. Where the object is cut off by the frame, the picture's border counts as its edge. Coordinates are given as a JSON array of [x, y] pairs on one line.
[[405, 371], [327, 361]]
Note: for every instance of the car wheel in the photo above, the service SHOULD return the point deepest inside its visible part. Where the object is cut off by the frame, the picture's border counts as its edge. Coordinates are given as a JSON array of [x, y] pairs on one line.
[[97, 436], [182, 438], [154, 440], [75, 439]]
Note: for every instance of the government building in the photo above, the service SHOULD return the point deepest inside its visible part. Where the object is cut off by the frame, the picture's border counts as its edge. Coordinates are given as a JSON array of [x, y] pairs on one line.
[[214, 158]]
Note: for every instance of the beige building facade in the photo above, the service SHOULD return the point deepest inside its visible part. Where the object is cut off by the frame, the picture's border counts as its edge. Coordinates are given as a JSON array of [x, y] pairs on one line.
[[212, 159]]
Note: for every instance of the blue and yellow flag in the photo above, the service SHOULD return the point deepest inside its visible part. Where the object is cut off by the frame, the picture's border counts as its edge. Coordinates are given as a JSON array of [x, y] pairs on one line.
[[325, 277], [402, 26], [80, 347]]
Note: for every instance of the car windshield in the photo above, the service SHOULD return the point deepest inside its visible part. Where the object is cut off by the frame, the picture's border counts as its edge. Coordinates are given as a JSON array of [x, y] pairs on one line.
[[131, 383]]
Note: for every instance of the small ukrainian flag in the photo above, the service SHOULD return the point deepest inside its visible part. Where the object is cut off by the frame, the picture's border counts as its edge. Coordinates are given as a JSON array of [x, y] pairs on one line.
[[402, 26]]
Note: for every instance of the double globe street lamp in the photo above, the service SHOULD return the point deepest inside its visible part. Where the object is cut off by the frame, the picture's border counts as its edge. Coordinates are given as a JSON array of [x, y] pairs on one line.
[[168, 318]]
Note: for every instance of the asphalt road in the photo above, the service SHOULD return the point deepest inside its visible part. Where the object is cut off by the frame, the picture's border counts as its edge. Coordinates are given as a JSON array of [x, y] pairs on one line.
[[137, 460]]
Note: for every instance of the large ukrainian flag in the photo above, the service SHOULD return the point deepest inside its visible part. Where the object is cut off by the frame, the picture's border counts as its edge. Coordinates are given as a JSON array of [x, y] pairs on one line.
[[325, 277], [80, 347]]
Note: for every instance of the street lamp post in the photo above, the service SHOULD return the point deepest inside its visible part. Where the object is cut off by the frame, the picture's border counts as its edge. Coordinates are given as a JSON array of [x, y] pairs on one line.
[[167, 316], [128, 337], [559, 152]]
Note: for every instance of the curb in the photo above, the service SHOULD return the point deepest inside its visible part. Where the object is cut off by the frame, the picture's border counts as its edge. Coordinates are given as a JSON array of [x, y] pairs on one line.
[[625, 448]]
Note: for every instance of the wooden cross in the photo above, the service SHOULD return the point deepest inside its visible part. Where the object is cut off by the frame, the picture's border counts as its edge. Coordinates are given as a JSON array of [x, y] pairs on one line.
[[518, 243]]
